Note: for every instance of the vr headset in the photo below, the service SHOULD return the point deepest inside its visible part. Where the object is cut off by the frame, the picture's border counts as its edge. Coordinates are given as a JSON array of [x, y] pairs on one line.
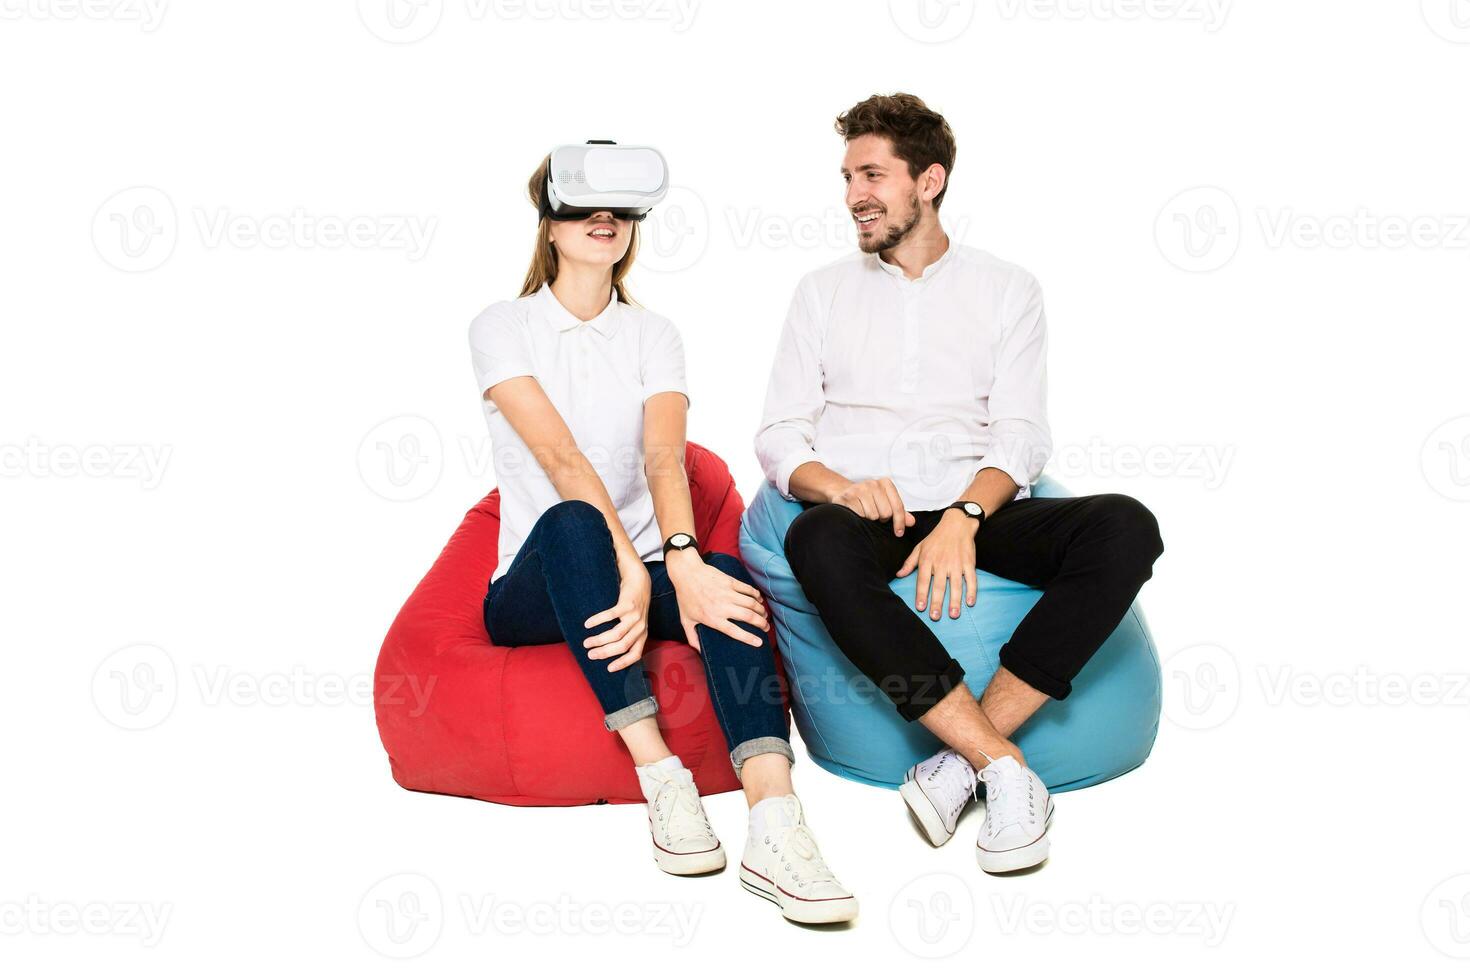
[[600, 175]]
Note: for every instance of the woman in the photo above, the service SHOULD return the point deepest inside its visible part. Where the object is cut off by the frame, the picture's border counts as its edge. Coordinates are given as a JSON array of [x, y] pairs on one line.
[[585, 397]]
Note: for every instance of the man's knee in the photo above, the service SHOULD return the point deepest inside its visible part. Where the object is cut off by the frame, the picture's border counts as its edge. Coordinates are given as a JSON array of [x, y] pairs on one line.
[[815, 533], [1132, 530]]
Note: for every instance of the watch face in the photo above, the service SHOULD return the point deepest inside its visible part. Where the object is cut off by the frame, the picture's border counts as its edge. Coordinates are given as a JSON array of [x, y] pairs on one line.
[[680, 540], [974, 510]]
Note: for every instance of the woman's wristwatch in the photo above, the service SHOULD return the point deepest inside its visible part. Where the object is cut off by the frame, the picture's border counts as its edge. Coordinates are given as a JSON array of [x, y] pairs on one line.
[[679, 541], [970, 508]]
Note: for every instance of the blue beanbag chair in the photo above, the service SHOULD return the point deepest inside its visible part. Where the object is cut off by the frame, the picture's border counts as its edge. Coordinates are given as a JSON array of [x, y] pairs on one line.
[[1103, 729]]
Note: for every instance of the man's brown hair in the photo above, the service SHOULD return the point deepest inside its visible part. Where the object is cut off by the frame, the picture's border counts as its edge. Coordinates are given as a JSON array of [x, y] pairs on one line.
[[920, 136]]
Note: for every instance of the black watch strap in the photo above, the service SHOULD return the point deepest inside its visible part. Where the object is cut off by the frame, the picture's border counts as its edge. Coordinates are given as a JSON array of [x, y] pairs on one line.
[[680, 541], [969, 508]]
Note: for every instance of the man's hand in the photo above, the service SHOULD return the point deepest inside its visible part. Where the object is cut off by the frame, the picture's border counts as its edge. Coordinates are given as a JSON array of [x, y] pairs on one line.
[[945, 557], [877, 500]]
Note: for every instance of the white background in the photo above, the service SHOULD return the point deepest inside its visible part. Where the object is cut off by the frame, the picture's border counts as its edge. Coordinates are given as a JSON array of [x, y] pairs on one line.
[[1216, 197]]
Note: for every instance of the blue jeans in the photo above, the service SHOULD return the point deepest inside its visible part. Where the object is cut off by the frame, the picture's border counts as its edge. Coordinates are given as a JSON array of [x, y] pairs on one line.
[[566, 572]]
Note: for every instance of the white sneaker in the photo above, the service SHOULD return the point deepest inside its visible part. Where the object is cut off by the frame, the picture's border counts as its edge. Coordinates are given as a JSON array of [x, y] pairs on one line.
[[937, 791], [1018, 811], [683, 841], [783, 865]]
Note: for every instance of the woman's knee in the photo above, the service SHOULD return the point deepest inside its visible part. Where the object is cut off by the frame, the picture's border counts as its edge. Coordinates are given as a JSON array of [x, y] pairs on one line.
[[572, 528], [574, 515]]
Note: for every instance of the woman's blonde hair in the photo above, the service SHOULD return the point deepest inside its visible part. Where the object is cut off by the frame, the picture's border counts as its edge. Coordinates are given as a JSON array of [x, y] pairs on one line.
[[543, 260]]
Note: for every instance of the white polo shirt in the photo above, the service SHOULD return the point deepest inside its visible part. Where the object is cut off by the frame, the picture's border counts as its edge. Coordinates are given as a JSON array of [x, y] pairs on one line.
[[927, 381], [597, 373]]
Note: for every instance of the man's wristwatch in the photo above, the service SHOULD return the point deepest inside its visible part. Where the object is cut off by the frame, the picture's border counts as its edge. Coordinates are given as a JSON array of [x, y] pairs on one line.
[[679, 542], [970, 508]]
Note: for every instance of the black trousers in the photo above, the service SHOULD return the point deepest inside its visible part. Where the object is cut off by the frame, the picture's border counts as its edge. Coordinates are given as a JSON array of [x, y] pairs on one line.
[[1089, 555]]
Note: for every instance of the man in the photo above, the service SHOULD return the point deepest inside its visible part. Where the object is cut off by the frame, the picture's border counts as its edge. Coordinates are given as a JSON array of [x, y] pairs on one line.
[[907, 410]]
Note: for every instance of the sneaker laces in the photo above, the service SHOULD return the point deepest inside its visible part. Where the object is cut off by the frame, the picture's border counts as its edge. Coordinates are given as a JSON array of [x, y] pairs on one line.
[[680, 801], [1007, 794], [956, 778], [799, 840]]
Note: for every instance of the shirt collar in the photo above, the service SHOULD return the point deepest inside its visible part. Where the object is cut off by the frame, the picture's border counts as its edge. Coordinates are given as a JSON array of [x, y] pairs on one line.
[[564, 319], [930, 270]]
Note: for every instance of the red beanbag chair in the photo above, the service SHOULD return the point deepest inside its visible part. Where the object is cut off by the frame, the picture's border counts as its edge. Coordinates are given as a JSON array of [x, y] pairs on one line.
[[519, 725]]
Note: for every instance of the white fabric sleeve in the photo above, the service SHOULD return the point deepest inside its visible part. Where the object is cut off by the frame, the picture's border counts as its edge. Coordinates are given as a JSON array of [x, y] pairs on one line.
[[662, 359], [498, 347], [1020, 437], [794, 395]]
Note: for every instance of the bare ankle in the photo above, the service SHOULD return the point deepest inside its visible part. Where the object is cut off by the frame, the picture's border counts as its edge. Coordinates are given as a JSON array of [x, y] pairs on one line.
[[981, 756], [764, 776]]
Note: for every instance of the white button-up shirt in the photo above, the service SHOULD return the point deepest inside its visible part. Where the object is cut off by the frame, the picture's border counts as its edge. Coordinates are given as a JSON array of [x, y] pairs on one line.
[[598, 374], [927, 381]]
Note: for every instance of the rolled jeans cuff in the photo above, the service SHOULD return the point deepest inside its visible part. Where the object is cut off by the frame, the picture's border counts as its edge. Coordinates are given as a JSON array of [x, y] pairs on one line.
[[636, 711], [760, 746]]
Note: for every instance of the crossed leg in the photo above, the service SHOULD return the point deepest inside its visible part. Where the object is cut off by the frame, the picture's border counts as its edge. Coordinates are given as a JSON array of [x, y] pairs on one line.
[[1089, 555]]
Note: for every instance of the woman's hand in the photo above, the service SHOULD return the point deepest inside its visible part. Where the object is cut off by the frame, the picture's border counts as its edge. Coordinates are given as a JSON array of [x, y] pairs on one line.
[[709, 597], [623, 644], [947, 555]]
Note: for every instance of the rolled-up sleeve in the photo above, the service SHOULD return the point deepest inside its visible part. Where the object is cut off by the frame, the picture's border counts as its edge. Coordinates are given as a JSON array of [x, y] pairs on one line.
[[1020, 437], [794, 397]]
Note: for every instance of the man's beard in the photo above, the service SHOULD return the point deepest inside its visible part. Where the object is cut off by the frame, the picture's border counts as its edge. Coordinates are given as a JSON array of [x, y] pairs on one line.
[[895, 233]]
